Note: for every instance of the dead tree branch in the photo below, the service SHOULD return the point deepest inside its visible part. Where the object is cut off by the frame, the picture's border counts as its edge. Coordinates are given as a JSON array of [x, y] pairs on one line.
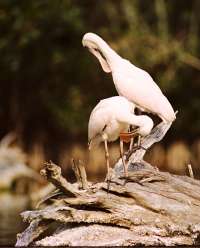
[[149, 207]]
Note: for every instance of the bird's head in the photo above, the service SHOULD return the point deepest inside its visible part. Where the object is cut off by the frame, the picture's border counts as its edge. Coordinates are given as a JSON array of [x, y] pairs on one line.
[[95, 45], [146, 125]]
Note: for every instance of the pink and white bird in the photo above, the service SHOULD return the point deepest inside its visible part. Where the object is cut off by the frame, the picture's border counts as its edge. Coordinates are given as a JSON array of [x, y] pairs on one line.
[[110, 119], [130, 81]]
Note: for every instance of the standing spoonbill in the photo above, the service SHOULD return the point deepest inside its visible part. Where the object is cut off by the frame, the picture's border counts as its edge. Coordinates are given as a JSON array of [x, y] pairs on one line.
[[130, 81], [110, 119]]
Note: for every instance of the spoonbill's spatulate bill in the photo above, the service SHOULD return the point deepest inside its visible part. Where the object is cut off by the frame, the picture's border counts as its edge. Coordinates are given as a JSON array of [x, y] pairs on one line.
[[111, 117], [130, 81]]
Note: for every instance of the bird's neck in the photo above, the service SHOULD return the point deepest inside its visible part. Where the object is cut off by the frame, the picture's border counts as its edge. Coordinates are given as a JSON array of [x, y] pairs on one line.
[[137, 120], [111, 56]]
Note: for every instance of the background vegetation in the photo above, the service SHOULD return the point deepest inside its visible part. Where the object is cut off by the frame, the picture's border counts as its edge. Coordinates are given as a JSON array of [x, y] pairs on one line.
[[50, 83]]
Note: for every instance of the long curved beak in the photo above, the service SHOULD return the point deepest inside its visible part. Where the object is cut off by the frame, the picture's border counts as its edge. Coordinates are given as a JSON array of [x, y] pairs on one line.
[[104, 64]]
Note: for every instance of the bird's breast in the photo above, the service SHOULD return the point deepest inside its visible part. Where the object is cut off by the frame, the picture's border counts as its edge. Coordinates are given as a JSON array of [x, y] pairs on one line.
[[114, 129]]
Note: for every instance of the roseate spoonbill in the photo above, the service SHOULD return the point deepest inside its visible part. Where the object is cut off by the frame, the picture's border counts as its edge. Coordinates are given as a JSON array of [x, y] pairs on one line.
[[130, 81], [110, 119]]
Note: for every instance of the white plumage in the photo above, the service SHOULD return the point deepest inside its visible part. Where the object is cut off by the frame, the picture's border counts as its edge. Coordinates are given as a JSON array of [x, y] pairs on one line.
[[130, 81], [110, 118], [113, 116]]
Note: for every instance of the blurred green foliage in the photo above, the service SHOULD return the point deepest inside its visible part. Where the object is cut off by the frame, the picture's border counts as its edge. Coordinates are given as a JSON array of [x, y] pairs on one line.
[[49, 83]]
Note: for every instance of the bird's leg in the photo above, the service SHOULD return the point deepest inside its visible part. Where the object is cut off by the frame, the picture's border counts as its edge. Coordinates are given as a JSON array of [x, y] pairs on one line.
[[107, 158], [130, 151], [139, 141], [135, 148], [131, 141], [129, 137], [108, 176], [122, 157], [131, 144]]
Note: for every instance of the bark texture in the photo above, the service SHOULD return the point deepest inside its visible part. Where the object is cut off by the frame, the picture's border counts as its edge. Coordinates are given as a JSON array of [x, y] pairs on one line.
[[149, 207]]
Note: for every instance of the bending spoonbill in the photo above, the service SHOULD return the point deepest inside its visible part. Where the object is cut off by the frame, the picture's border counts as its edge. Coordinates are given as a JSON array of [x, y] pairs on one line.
[[110, 119], [130, 81]]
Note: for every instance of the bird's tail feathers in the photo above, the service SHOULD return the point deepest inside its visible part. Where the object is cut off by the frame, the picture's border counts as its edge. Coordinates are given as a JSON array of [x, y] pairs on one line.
[[167, 111]]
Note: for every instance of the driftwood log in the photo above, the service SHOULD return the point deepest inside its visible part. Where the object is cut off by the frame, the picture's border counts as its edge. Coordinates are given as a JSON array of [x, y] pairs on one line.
[[149, 207]]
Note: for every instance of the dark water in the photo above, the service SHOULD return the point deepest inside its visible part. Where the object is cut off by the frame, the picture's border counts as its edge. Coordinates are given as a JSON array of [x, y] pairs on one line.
[[10, 221]]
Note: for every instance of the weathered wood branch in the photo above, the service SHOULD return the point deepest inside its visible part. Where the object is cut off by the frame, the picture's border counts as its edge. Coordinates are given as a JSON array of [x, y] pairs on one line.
[[52, 173], [149, 207], [80, 173]]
